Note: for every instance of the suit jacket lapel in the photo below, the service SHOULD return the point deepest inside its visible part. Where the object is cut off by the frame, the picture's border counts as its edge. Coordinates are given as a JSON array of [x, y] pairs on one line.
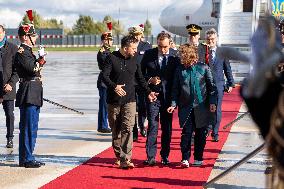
[[4, 51], [157, 58]]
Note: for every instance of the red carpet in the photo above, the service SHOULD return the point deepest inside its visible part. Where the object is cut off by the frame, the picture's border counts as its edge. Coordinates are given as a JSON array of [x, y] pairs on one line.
[[99, 172]]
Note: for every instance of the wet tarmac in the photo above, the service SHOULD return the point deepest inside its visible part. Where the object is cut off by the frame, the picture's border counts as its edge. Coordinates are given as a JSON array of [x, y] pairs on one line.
[[67, 139]]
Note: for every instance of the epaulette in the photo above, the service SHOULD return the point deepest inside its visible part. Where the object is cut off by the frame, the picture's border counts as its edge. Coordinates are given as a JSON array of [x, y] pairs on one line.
[[21, 50], [102, 49], [148, 42]]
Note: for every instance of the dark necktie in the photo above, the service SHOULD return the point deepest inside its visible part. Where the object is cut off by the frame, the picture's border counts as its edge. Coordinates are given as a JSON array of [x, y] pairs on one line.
[[163, 67], [212, 57]]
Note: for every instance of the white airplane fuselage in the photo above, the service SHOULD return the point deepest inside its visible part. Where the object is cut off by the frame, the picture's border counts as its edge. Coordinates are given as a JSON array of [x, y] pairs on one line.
[[177, 16]]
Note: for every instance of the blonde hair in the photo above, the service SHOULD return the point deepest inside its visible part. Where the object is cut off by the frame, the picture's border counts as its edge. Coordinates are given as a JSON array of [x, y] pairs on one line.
[[188, 54]]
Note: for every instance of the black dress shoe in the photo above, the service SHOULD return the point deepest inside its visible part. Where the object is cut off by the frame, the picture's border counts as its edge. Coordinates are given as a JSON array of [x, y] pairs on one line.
[[215, 138], [9, 144], [146, 162], [151, 162], [165, 161], [32, 164], [143, 132], [41, 163], [104, 130], [21, 164]]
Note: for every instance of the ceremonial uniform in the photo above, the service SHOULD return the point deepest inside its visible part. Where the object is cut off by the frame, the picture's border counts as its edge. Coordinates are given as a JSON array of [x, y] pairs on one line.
[[101, 58], [203, 49], [29, 97]]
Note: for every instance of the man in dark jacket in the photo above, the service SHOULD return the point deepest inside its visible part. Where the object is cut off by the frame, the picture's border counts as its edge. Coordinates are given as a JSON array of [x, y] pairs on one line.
[[107, 41], [10, 78], [29, 95], [158, 67], [137, 32], [119, 75]]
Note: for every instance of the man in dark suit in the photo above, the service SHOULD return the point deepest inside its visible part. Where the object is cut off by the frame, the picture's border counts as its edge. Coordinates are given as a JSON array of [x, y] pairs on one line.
[[137, 32], [10, 78], [158, 66], [219, 67]]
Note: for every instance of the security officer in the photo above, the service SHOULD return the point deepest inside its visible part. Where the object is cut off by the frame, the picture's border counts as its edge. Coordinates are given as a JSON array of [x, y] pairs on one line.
[[137, 32], [194, 36], [107, 41], [10, 78], [29, 96]]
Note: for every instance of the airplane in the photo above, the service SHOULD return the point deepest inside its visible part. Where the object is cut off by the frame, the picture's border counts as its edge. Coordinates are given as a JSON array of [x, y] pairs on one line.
[[181, 13]]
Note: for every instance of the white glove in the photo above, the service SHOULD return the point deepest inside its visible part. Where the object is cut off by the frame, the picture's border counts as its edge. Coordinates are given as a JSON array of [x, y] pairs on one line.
[[41, 51]]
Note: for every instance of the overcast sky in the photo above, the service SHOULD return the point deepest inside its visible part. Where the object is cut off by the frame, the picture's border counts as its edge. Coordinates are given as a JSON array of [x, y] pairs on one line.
[[132, 12]]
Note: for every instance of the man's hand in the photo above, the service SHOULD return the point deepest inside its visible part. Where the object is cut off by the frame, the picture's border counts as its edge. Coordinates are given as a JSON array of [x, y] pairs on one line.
[[171, 109], [8, 88], [153, 96], [155, 80], [119, 90], [212, 108], [41, 51]]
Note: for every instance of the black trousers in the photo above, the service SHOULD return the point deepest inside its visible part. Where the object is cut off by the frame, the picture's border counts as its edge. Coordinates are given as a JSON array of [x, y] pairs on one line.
[[8, 106], [199, 139]]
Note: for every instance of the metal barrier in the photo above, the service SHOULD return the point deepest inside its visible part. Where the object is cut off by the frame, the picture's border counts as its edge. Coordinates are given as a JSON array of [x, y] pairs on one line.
[[87, 40]]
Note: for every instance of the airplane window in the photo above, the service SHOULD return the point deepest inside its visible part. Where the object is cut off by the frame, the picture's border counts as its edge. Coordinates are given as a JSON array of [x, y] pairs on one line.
[[247, 5]]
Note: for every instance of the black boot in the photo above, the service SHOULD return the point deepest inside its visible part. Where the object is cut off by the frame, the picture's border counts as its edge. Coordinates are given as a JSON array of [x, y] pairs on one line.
[[9, 143]]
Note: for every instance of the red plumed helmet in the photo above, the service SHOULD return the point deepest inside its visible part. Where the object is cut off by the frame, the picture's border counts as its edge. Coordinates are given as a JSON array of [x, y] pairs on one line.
[[109, 25], [30, 15]]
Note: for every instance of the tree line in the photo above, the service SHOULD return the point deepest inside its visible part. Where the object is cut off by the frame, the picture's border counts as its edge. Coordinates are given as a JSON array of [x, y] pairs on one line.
[[85, 25]]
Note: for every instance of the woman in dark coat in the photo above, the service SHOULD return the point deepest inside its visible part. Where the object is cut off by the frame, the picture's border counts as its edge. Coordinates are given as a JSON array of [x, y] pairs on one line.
[[194, 93]]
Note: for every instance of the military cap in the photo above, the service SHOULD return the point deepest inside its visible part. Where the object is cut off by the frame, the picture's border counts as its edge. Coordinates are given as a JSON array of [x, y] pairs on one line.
[[281, 26], [136, 30], [106, 36], [193, 29], [26, 29]]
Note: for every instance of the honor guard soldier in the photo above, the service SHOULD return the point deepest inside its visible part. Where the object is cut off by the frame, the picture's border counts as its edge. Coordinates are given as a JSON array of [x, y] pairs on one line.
[[107, 41], [137, 32], [194, 36], [29, 96]]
